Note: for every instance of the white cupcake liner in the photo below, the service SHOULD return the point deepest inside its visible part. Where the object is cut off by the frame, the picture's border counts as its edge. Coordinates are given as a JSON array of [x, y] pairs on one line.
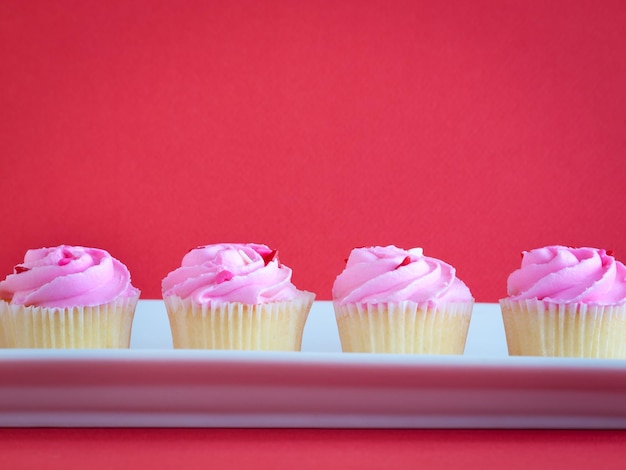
[[403, 327], [537, 328], [271, 326], [102, 326]]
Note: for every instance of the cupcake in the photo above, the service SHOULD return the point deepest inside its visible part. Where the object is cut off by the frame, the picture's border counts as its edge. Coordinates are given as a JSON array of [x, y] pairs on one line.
[[67, 297], [566, 302], [235, 296], [390, 300]]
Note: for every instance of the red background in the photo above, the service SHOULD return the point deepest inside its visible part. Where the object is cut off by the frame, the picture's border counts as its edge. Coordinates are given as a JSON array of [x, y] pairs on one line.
[[310, 449], [475, 129]]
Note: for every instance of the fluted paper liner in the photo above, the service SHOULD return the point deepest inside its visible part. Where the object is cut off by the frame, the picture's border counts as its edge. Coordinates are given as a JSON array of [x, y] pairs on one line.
[[404, 327], [271, 326], [537, 328], [103, 326]]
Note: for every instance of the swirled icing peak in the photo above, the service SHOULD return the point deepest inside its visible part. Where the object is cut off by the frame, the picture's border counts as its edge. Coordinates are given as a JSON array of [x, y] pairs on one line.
[[231, 272], [67, 276], [572, 275], [390, 274]]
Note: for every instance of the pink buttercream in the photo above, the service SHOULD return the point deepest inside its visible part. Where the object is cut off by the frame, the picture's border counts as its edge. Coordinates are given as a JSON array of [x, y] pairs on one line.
[[569, 275], [231, 272], [67, 276], [390, 274]]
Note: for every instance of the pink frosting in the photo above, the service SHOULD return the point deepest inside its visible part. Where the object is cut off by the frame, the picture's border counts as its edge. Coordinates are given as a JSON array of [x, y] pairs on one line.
[[390, 274], [231, 272], [569, 275], [67, 276]]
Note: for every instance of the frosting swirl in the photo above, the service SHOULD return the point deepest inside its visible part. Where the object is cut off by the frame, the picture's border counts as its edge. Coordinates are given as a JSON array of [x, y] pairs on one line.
[[563, 274], [231, 272], [67, 276], [390, 274]]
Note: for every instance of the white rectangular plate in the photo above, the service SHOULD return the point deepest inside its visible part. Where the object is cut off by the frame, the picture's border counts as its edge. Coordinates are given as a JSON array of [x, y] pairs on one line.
[[153, 385]]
